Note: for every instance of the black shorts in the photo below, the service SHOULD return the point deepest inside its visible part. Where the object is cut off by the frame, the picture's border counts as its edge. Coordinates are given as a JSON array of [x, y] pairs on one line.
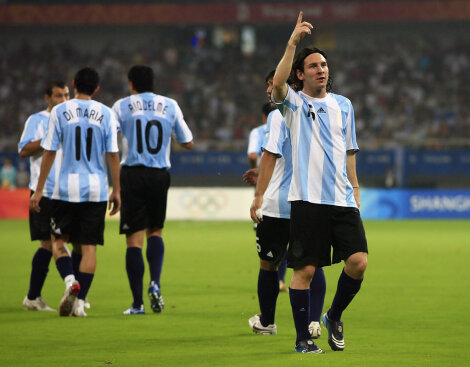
[[315, 228], [144, 193], [272, 238], [83, 223], [40, 223]]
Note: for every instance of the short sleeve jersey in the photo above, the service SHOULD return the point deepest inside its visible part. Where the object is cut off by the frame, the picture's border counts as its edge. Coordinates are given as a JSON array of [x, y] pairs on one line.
[[275, 203], [87, 130], [256, 139], [147, 122], [34, 130], [322, 130]]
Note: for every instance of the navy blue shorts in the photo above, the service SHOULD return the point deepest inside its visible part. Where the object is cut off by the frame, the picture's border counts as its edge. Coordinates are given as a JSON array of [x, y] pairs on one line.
[[272, 238], [144, 193], [82, 223], [316, 229]]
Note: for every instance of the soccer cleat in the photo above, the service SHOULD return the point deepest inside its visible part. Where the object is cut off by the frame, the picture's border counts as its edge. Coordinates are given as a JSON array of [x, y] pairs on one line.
[[156, 299], [257, 327], [135, 310], [335, 333], [314, 329], [86, 304], [68, 299], [79, 308], [308, 346], [37, 304]]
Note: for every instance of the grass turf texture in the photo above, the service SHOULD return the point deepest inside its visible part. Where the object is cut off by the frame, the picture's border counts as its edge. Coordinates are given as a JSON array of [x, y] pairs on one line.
[[412, 309]]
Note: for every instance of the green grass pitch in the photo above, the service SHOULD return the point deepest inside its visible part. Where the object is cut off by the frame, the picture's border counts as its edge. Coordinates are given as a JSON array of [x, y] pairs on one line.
[[413, 308]]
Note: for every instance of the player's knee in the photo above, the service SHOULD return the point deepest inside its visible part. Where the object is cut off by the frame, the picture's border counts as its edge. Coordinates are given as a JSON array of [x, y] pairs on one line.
[[267, 265]]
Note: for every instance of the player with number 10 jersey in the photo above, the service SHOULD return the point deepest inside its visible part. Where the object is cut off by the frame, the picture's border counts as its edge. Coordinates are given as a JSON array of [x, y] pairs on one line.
[[147, 122]]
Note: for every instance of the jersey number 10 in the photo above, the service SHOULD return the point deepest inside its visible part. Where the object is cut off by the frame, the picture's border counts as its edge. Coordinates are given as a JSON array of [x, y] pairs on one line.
[[138, 126]]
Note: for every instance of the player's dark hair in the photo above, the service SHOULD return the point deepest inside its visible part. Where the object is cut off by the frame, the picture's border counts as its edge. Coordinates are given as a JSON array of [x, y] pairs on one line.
[[86, 81], [298, 64], [52, 84], [271, 75], [141, 77], [267, 108]]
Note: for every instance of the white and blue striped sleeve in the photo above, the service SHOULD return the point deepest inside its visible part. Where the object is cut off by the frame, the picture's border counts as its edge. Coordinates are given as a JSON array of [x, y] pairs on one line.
[[253, 141], [276, 135], [182, 132], [111, 133], [51, 140], [29, 132], [351, 143], [289, 106]]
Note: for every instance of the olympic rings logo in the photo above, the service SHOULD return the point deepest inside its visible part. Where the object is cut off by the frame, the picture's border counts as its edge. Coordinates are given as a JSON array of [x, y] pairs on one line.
[[203, 202]]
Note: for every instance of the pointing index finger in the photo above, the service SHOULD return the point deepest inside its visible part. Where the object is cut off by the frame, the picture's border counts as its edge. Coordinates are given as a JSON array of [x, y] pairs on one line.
[[299, 19]]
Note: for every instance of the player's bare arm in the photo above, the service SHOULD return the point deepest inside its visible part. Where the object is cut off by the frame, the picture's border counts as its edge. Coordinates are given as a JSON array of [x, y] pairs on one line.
[[46, 164], [188, 145], [251, 176], [252, 158], [284, 67], [352, 175], [265, 172], [115, 196], [30, 149]]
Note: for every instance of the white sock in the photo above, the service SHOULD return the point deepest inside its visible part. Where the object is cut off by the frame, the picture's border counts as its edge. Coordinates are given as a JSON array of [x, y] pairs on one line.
[[69, 279]]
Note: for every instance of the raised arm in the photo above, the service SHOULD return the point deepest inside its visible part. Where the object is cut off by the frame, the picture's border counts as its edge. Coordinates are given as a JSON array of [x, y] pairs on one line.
[[284, 67]]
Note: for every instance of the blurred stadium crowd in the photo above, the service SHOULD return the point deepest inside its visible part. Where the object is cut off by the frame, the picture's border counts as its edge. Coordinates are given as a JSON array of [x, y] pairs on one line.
[[413, 92]]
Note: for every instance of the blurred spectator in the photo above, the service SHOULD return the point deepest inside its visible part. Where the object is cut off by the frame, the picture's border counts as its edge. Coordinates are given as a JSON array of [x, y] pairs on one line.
[[412, 91], [8, 175]]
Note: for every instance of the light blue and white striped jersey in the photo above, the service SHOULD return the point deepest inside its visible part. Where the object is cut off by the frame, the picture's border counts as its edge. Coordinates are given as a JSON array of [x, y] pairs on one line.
[[256, 139], [34, 130], [275, 203], [321, 131], [147, 121], [87, 130]]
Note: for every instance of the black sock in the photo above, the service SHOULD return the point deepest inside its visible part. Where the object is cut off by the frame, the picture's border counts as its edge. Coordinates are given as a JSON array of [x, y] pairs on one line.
[[85, 280], [64, 265], [317, 295], [135, 272], [299, 300], [39, 269], [155, 251], [76, 259], [347, 289], [268, 290]]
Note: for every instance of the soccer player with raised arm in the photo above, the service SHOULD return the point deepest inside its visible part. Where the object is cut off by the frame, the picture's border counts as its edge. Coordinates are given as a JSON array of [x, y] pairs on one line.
[[324, 191], [39, 223], [86, 130], [272, 233], [147, 121]]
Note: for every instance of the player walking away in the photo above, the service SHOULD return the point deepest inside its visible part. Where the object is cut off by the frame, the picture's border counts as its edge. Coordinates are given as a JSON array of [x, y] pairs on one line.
[[324, 191], [147, 122], [86, 129], [30, 146], [255, 141], [272, 234]]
